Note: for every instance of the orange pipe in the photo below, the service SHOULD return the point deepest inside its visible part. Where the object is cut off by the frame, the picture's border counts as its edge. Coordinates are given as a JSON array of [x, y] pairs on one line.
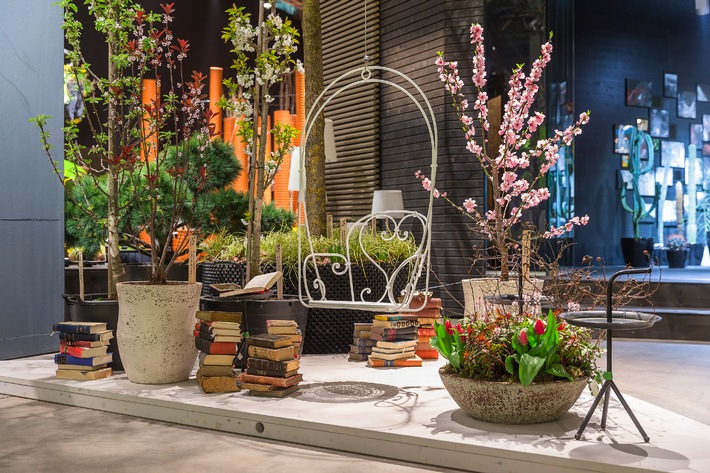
[[281, 195], [241, 183], [149, 96], [214, 95]]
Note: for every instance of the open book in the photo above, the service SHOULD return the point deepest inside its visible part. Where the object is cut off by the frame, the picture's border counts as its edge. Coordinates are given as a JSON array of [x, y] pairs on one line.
[[259, 283]]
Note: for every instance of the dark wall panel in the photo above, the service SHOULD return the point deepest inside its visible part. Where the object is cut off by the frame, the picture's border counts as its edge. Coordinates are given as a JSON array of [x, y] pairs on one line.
[[31, 199]]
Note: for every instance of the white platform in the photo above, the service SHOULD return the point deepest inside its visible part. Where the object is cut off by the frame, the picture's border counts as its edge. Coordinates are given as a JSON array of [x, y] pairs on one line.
[[402, 414]]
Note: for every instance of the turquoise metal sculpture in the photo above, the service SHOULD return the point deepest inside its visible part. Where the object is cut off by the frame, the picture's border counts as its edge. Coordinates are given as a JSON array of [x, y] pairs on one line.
[[637, 208]]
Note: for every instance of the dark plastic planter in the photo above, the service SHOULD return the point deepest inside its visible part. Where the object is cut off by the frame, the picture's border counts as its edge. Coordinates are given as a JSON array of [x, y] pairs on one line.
[[633, 251], [676, 258]]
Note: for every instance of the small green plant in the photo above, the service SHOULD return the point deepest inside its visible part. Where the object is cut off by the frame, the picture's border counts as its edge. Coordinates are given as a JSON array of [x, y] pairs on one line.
[[450, 341], [223, 246]]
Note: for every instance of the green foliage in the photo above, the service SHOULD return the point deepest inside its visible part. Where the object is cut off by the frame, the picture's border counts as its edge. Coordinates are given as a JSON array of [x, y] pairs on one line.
[[223, 246], [450, 341], [218, 158]]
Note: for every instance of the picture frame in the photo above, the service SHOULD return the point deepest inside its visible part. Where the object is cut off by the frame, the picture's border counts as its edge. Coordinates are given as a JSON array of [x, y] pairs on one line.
[[642, 124], [659, 123], [696, 135], [639, 93], [670, 84], [706, 127], [624, 161], [673, 153], [660, 176], [647, 184], [622, 139], [702, 92], [706, 149], [686, 104]]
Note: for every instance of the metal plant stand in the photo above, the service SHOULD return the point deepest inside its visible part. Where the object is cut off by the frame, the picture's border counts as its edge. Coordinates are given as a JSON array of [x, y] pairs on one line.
[[611, 320]]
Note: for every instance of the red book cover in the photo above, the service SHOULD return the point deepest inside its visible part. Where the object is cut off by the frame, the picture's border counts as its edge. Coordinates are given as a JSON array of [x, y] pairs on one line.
[[428, 354], [216, 348], [428, 313], [82, 352], [426, 332], [83, 343]]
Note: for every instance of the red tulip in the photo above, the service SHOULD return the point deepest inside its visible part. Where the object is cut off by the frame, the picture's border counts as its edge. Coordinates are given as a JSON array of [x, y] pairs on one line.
[[459, 329], [523, 337], [561, 327], [539, 327], [447, 325]]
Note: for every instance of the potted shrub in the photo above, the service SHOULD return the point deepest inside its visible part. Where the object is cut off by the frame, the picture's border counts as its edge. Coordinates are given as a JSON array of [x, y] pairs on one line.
[[676, 250]]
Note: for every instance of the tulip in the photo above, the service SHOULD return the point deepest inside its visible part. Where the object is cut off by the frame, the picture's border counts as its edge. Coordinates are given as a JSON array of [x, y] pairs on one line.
[[539, 327], [447, 325], [459, 329], [523, 337]]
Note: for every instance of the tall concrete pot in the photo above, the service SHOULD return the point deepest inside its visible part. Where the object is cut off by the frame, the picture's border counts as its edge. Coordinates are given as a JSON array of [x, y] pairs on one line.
[[155, 325]]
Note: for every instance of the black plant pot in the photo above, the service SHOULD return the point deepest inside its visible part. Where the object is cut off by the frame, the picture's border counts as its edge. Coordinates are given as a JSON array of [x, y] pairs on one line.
[[695, 254], [633, 251], [221, 272], [676, 258], [96, 308]]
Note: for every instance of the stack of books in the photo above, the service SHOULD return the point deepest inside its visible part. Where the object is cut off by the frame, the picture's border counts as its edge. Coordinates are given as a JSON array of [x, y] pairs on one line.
[[83, 350], [427, 316], [272, 366], [286, 327], [396, 336], [217, 337], [362, 343]]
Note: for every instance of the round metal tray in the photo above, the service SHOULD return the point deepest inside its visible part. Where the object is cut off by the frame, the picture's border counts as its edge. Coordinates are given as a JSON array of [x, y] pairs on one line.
[[620, 319]]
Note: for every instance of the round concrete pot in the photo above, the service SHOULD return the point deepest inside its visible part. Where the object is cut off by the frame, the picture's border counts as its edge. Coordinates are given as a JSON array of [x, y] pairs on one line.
[[512, 403], [155, 330]]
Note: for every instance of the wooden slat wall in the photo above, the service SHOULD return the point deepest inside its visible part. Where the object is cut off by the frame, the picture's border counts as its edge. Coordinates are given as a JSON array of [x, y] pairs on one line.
[[351, 180], [412, 31]]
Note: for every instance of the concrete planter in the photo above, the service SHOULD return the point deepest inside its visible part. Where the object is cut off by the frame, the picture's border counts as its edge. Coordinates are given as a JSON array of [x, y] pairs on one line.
[[155, 325], [512, 403]]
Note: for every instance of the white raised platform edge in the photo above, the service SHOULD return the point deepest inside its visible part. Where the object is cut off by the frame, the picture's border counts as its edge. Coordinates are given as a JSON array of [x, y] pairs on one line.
[[413, 419]]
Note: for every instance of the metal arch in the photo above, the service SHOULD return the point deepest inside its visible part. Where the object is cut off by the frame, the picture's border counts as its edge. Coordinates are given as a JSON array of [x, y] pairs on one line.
[[340, 263]]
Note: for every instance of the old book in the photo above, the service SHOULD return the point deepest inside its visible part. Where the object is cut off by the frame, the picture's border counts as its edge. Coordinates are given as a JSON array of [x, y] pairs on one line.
[[429, 332], [82, 368], [387, 351], [259, 283], [281, 323], [356, 350], [283, 330], [217, 338], [362, 326], [216, 348], [422, 346], [296, 339], [218, 384], [98, 336], [392, 356], [219, 316], [396, 345], [215, 370], [272, 354], [364, 342], [210, 359], [274, 366], [393, 336], [219, 288], [274, 374], [62, 359], [220, 325], [269, 340], [271, 380], [402, 316], [430, 354], [278, 392], [233, 330], [431, 302], [428, 322], [394, 323], [432, 313], [396, 331], [80, 327], [83, 352], [84, 343], [358, 356], [406, 362], [362, 335], [423, 339], [84, 375]]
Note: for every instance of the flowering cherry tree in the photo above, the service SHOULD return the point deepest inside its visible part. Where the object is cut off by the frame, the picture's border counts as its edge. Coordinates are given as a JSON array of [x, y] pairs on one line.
[[510, 191]]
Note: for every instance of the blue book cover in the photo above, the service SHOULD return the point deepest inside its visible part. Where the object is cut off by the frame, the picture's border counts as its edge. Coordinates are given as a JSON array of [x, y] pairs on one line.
[[80, 327], [62, 359]]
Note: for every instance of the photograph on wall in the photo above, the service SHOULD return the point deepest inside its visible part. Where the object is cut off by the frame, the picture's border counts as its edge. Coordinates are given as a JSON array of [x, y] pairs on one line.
[[642, 124], [703, 92], [706, 173], [622, 138], [625, 179], [706, 149], [696, 135], [698, 171], [673, 153], [659, 123], [624, 161], [647, 184], [686, 104], [661, 177], [706, 127], [669, 211], [670, 85], [638, 93]]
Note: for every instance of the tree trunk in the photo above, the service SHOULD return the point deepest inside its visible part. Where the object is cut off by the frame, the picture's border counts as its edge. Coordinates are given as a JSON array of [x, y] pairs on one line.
[[315, 148]]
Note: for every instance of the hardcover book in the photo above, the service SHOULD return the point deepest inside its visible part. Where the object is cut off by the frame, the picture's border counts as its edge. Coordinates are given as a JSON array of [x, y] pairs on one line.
[[233, 331], [271, 380], [209, 359], [358, 326], [278, 392], [259, 283], [431, 303], [427, 321], [216, 348], [218, 384], [273, 374], [215, 370], [411, 316], [393, 336], [217, 338], [380, 363], [219, 316], [62, 359], [396, 345], [364, 342], [84, 343], [82, 352], [220, 325], [429, 313], [281, 323], [358, 356], [430, 354], [84, 375], [82, 368], [430, 332], [361, 334], [283, 330], [354, 349], [394, 323], [99, 336], [80, 327], [274, 366], [270, 340], [272, 354], [395, 331], [392, 356]]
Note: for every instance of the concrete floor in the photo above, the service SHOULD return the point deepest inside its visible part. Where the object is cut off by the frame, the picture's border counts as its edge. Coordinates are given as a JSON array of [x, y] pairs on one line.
[[674, 376]]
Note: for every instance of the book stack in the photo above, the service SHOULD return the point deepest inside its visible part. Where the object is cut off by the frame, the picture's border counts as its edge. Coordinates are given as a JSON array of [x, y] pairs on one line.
[[217, 337], [396, 336], [362, 343], [286, 327], [83, 350], [272, 366], [427, 316]]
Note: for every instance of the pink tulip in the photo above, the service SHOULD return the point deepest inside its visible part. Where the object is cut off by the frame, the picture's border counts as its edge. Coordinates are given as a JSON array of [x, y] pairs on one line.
[[539, 327], [523, 337]]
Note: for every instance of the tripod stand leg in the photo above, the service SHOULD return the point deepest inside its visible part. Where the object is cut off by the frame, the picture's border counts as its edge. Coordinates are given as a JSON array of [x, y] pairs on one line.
[[605, 410], [646, 438], [586, 420]]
